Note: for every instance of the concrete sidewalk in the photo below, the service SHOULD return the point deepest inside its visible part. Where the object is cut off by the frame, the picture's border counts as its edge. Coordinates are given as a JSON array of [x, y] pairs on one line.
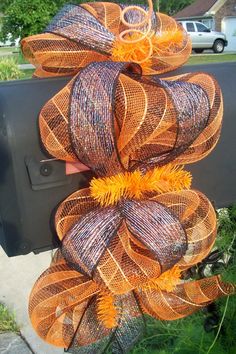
[[12, 343], [18, 275]]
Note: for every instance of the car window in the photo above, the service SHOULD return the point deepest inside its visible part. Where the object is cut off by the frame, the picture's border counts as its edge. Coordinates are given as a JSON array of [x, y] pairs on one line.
[[201, 28], [190, 27]]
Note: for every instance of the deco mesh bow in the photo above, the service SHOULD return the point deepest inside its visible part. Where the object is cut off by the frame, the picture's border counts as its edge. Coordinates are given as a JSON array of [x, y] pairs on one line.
[[127, 240]]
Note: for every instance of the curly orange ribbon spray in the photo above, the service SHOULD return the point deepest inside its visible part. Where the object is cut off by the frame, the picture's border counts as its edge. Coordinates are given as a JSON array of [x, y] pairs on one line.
[[135, 28], [140, 43]]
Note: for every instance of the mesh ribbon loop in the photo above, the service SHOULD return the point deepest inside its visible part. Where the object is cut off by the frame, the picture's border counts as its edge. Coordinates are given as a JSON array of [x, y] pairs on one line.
[[79, 35]]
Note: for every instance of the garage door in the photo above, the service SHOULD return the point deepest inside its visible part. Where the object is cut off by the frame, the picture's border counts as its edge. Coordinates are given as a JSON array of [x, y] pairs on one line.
[[229, 28]]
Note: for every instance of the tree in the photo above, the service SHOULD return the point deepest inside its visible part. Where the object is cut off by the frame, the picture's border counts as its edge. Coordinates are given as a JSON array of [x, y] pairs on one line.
[[171, 7], [4, 5], [25, 17]]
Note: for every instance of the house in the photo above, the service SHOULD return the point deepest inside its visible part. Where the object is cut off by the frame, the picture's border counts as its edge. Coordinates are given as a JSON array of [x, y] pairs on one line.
[[219, 15]]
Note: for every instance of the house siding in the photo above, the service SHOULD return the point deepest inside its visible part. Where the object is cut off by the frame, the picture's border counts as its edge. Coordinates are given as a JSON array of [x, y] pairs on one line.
[[228, 9]]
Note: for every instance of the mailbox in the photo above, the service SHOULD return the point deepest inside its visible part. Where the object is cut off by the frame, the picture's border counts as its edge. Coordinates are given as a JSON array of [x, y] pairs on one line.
[[32, 184]]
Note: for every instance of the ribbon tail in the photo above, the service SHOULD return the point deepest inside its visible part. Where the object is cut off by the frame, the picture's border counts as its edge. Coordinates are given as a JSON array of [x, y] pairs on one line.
[[185, 299], [131, 326]]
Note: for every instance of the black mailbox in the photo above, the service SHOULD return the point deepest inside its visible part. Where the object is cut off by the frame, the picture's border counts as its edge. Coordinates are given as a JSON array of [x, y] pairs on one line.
[[31, 186]]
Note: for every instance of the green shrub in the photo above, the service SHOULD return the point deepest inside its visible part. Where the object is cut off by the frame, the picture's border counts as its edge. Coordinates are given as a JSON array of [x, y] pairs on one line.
[[190, 335], [7, 320], [9, 69]]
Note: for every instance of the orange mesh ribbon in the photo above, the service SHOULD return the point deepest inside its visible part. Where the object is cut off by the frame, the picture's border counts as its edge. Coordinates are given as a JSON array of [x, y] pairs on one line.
[[127, 238]]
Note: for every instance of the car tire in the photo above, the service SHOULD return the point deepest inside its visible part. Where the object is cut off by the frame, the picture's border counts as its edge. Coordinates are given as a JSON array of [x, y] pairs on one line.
[[218, 46], [198, 50]]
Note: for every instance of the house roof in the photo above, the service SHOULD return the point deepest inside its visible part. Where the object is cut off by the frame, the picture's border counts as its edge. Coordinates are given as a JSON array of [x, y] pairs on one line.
[[198, 8]]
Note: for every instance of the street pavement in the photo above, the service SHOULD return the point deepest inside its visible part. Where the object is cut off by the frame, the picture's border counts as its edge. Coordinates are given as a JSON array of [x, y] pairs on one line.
[[26, 66], [18, 275]]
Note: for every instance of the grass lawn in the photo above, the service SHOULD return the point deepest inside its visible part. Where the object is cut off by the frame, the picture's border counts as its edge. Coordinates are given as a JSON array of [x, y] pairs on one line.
[[210, 58], [20, 58], [14, 52], [7, 320], [7, 50], [27, 74]]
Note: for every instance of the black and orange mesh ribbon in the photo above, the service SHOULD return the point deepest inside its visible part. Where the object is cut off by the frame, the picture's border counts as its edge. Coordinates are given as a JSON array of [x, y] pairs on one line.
[[128, 237], [70, 310]]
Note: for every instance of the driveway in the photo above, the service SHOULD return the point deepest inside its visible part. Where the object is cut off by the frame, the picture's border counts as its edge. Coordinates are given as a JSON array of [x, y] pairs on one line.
[[18, 275]]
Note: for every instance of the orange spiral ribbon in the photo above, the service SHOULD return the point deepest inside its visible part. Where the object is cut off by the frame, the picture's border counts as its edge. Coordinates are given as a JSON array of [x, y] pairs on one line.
[[128, 237]]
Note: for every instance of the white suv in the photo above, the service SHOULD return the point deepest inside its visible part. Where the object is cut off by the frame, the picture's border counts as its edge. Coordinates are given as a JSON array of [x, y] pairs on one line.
[[203, 38]]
